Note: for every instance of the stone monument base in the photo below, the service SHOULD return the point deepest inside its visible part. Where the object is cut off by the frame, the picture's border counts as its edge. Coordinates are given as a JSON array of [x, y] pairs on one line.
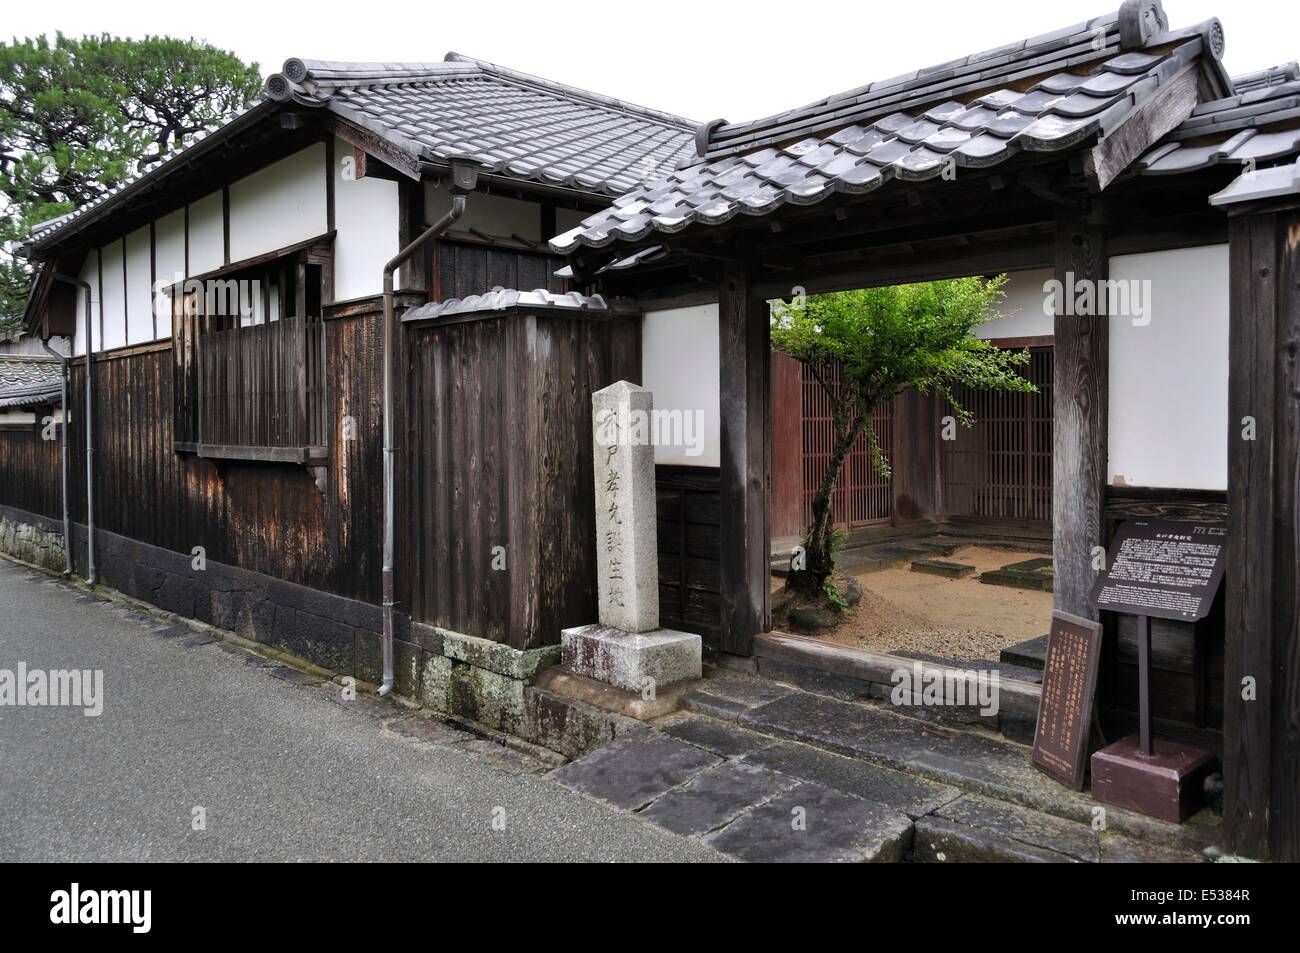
[[626, 659]]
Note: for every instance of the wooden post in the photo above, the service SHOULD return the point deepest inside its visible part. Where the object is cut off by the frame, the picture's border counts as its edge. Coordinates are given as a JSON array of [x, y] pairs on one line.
[[415, 273], [1261, 730], [744, 335], [1080, 385]]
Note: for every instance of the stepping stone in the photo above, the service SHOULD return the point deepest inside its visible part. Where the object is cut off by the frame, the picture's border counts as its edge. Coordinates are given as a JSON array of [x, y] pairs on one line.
[[1026, 826], [893, 789], [726, 695], [1017, 580], [972, 762], [1029, 654], [938, 840], [716, 796], [811, 824], [720, 737], [942, 567], [635, 769]]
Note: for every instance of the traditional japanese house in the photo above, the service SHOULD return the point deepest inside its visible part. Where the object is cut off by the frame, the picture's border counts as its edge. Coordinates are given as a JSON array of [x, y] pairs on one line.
[[251, 440]]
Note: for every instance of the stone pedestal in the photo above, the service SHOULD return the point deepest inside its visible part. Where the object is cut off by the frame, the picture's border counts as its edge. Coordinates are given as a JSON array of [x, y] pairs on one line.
[[1168, 783], [626, 648], [631, 661]]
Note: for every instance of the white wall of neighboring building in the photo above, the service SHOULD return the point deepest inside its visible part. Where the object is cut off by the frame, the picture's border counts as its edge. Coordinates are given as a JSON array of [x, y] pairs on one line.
[[1169, 377], [281, 204], [112, 332], [169, 261], [207, 234], [679, 363], [365, 218], [89, 273], [139, 296], [1021, 308]]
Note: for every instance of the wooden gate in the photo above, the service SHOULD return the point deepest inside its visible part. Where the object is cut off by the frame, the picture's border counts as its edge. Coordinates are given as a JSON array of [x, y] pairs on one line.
[[862, 496], [1001, 468]]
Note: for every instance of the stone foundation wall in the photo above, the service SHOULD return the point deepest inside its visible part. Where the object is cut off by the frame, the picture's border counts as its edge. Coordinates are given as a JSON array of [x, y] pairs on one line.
[[31, 538], [457, 674]]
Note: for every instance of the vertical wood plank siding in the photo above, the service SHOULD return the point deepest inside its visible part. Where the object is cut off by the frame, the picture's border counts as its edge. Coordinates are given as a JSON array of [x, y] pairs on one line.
[[29, 469]]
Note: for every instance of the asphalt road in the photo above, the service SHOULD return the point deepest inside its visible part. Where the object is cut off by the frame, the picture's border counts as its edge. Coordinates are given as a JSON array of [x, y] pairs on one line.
[[280, 770]]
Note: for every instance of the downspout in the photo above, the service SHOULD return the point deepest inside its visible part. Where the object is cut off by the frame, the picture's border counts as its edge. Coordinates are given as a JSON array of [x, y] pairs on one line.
[[463, 179], [90, 441]]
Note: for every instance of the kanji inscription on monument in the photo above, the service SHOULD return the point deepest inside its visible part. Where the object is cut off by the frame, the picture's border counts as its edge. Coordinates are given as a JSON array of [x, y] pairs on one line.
[[1165, 569], [1065, 706], [627, 546]]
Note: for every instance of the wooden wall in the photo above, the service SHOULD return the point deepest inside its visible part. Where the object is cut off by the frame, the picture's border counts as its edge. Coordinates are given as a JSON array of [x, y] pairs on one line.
[[29, 470], [498, 454], [689, 512]]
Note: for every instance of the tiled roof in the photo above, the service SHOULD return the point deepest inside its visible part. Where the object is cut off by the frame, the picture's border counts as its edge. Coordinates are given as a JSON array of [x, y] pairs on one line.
[[1275, 182], [26, 381], [1046, 95], [508, 122], [503, 299], [1253, 127]]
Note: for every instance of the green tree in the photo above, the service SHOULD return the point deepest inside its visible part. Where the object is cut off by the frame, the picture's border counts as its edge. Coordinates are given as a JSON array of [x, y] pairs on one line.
[[886, 341], [79, 116]]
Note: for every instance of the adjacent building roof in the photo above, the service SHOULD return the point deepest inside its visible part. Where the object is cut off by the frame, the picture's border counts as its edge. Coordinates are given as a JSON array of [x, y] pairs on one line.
[[28, 381], [1049, 94], [507, 122]]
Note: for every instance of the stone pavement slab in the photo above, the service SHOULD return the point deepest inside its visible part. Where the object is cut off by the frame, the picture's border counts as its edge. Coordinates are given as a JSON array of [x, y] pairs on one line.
[[938, 840], [727, 695], [720, 737], [810, 824], [716, 796], [1072, 838], [902, 792], [633, 770]]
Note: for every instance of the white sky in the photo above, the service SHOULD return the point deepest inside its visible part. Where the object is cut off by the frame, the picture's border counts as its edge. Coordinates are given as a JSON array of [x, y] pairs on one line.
[[702, 59]]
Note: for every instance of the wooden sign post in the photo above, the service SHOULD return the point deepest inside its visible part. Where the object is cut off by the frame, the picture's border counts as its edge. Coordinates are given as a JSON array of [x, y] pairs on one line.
[[1161, 569]]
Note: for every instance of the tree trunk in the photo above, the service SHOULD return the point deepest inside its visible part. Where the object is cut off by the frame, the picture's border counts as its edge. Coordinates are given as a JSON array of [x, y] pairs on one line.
[[819, 560]]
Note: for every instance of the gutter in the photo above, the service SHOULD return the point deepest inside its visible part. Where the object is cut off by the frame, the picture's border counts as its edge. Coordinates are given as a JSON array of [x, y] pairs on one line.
[[90, 441], [464, 177]]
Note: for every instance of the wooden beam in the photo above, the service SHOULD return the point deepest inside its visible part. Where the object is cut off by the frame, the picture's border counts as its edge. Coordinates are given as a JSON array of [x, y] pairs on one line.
[[744, 334], [1142, 128], [1080, 397], [416, 273]]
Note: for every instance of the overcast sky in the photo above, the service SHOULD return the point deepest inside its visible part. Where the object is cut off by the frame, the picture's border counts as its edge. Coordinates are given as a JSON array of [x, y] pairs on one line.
[[702, 59]]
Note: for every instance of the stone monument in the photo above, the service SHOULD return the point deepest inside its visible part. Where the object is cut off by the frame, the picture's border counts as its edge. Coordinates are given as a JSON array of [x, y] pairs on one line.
[[627, 648]]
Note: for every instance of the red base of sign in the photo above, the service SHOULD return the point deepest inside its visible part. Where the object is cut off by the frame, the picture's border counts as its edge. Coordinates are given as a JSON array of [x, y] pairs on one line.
[[1168, 784]]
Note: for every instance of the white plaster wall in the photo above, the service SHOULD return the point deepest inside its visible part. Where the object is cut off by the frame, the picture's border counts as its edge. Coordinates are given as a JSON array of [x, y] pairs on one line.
[[207, 235], [139, 298], [1169, 379], [169, 261], [679, 363], [114, 299], [89, 273], [366, 220], [494, 215], [279, 205], [1022, 307]]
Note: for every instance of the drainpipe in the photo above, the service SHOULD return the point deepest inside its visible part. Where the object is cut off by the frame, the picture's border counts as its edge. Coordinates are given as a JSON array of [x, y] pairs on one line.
[[90, 441], [463, 179]]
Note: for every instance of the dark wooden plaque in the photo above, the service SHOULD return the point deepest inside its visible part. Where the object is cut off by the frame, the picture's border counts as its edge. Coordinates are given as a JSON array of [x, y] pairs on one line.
[[1065, 708], [1165, 569]]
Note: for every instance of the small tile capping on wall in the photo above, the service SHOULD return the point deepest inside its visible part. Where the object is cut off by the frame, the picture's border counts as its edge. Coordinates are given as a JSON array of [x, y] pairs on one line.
[[477, 679]]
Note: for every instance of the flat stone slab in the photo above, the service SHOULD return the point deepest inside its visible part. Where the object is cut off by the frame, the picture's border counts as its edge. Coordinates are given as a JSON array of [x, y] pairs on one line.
[[1072, 838], [635, 769], [716, 796], [901, 792], [720, 737], [812, 824], [938, 840], [1018, 578], [627, 660], [942, 567], [727, 694], [1031, 653]]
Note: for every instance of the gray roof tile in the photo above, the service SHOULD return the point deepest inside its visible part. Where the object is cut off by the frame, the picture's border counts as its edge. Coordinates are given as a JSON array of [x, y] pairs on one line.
[[28, 381], [505, 299]]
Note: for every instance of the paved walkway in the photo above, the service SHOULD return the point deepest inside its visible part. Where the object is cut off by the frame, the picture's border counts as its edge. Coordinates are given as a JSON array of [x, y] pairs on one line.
[[282, 769], [763, 771]]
